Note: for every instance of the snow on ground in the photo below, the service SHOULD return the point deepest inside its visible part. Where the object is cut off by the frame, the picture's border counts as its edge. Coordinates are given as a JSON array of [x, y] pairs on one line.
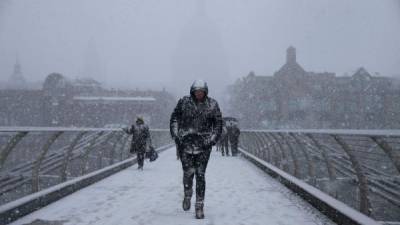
[[237, 193]]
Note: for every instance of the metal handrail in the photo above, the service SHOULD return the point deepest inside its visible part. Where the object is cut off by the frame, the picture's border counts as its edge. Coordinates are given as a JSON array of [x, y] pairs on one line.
[[369, 158], [349, 132], [33, 158], [65, 129]]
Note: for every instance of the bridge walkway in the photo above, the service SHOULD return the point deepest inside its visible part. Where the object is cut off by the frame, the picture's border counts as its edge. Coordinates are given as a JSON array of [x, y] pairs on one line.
[[237, 193]]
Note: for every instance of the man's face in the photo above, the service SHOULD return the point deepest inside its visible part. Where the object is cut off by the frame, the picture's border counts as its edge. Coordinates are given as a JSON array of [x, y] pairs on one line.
[[199, 95]]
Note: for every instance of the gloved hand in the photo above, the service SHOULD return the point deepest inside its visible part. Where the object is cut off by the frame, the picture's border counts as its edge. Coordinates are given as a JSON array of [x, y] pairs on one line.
[[208, 143], [178, 140]]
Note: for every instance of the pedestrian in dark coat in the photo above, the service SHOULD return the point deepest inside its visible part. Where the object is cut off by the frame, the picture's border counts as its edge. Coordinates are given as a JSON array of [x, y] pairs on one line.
[[141, 140], [233, 134], [196, 126], [223, 142]]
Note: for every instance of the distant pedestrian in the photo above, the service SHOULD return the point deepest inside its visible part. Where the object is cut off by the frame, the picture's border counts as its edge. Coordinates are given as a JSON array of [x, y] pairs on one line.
[[223, 143], [141, 140], [233, 135]]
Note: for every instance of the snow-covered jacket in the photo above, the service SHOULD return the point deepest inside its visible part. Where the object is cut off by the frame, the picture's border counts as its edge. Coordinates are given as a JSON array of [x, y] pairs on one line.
[[201, 119], [140, 137]]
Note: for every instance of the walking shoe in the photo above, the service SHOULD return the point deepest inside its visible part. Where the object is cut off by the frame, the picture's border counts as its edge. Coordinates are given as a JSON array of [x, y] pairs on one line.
[[199, 210], [186, 203]]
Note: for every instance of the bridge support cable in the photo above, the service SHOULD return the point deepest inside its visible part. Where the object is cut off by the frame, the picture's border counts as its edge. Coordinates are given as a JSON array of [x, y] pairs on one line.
[[287, 140], [278, 152], [393, 155], [276, 156], [101, 152], [89, 148], [260, 145], [113, 150], [68, 154], [379, 183], [365, 205], [356, 167], [285, 160], [36, 158], [268, 147], [247, 140], [123, 147], [39, 160], [329, 166], [334, 209], [254, 142], [309, 161], [28, 204], [18, 174], [10, 146]]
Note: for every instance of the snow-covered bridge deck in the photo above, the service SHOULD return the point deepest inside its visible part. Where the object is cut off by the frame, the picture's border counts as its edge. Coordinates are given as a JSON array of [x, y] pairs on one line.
[[237, 193]]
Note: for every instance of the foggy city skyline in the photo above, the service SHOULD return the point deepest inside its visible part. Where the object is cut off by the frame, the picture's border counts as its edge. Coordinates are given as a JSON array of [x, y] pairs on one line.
[[298, 123], [137, 44]]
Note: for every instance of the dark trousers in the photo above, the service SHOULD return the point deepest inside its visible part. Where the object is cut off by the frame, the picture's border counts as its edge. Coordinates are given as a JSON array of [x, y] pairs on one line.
[[140, 158], [234, 146], [225, 146], [195, 165]]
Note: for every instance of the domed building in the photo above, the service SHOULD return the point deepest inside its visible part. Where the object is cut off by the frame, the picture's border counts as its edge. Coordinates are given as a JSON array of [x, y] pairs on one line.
[[200, 54], [82, 103]]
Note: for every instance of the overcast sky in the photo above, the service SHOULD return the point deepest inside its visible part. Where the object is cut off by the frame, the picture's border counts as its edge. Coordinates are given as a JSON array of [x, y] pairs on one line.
[[153, 43]]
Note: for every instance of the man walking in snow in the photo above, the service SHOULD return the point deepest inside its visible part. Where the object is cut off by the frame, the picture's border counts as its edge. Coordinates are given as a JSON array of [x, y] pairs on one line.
[[196, 126]]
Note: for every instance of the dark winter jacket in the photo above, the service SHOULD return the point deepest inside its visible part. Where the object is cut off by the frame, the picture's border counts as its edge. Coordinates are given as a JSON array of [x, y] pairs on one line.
[[140, 137], [196, 123], [233, 133], [224, 133]]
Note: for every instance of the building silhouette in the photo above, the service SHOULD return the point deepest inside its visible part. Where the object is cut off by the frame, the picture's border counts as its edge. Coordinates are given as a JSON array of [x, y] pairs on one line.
[[17, 79], [296, 98], [82, 103]]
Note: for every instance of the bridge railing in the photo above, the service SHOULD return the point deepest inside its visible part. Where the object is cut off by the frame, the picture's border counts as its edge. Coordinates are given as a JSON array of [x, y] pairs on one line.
[[33, 159], [358, 167]]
